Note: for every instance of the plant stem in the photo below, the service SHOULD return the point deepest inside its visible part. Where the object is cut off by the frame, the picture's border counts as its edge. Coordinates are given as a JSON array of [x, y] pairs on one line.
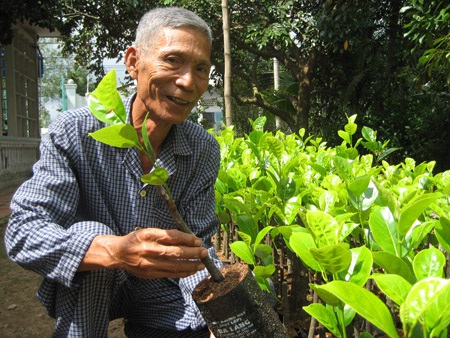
[[182, 226]]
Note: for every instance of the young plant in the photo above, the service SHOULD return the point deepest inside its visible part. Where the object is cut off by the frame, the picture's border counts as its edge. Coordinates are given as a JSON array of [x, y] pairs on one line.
[[106, 105]]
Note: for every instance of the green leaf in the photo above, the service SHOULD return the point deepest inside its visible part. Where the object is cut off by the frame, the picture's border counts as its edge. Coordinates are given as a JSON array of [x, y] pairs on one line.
[[324, 228], [264, 252], [243, 251], [276, 146], [264, 271], [384, 230], [248, 225], [429, 263], [259, 123], [358, 299], [351, 128], [363, 193], [428, 303], [301, 243], [245, 237], [359, 185], [443, 232], [392, 285], [369, 134], [105, 102], [327, 296], [415, 237], [262, 234], [387, 198], [333, 258], [325, 316], [291, 208], [120, 136], [343, 167], [413, 210], [359, 270], [393, 265], [345, 136], [158, 176]]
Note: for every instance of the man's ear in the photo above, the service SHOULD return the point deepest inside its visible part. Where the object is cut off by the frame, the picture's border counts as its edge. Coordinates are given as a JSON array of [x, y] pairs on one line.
[[131, 61]]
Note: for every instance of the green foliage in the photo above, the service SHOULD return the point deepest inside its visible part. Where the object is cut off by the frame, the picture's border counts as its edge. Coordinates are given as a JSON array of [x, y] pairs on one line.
[[106, 105], [335, 57], [345, 213], [427, 26]]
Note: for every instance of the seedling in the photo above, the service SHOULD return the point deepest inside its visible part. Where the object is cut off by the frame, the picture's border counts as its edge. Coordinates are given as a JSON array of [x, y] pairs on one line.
[[106, 105]]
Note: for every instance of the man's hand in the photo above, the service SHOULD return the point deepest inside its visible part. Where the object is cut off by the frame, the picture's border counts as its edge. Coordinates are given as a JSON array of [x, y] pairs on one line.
[[147, 253]]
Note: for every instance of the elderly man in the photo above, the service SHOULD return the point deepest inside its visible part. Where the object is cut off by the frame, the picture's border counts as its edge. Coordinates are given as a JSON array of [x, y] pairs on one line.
[[74, 221]]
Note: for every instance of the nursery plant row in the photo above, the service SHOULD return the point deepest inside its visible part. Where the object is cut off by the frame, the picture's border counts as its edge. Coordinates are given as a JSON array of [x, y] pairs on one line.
[[374, 236]]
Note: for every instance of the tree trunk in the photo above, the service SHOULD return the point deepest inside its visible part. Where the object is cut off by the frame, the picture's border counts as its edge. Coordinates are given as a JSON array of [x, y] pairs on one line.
[[227, 63]]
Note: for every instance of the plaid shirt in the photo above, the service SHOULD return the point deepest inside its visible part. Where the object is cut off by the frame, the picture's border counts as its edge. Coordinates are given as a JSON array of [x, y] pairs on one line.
[[80, 186]]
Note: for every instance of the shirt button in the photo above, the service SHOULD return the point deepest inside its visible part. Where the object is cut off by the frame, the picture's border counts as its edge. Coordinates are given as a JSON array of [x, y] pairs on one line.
[[143, 193]]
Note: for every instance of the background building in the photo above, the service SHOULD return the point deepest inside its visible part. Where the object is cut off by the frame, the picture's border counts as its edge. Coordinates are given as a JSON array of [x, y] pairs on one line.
[[20, 69]]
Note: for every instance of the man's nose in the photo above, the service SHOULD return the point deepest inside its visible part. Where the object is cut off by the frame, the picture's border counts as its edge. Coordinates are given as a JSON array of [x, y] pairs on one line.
[[186, 79]]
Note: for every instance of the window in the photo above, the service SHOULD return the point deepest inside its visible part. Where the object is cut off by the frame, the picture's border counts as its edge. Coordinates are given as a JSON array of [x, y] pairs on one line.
[[3, 95]]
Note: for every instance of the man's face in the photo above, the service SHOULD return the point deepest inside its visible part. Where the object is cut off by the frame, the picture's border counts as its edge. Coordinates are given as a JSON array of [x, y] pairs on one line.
[[174, 74]]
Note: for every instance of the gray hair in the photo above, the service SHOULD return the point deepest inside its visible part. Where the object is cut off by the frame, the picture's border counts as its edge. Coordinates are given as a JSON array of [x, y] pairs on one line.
[[172, 17]]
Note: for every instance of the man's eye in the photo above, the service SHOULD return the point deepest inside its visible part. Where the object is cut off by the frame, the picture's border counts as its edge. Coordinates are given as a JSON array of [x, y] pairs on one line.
[[203, 69], [172, 60]]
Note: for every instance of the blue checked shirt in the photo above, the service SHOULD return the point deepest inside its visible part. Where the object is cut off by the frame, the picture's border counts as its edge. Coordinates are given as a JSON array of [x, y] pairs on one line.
[[80, 183]]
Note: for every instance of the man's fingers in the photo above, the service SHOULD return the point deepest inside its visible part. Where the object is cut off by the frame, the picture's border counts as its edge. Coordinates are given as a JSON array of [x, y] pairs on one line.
[[159, 253], [168, 237], [155, 249], [165, 268]]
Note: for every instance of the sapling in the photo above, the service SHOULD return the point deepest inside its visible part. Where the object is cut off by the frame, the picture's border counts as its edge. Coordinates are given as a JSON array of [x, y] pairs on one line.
[[106, 105]]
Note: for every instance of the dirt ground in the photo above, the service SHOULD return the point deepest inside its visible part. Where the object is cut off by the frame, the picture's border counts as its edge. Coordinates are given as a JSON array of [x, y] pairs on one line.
[[21, 314]]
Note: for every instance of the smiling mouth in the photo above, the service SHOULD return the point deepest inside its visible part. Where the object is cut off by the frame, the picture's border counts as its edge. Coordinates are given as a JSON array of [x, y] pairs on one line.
[[178, 101]]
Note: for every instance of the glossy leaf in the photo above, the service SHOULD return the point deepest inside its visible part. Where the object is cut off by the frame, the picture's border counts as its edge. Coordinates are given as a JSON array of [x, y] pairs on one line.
[[364, 302], [363, 200], [333, 258], [262, 234], [276, 146], [428, 303], [264, 271], [413, 210], [264, 253], [392, 285], [324, 228], [359, 185], [351, 128], [248, 225], [120, 136], [258, 124], [429, 263], [301, 243], [393, 265], [443, 232], [325, 316], [359, 270], [345, 136], [105, 102], [369, 134], [245, 238], [327, 295], [158, 176], [384, 230], [243, 251]]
